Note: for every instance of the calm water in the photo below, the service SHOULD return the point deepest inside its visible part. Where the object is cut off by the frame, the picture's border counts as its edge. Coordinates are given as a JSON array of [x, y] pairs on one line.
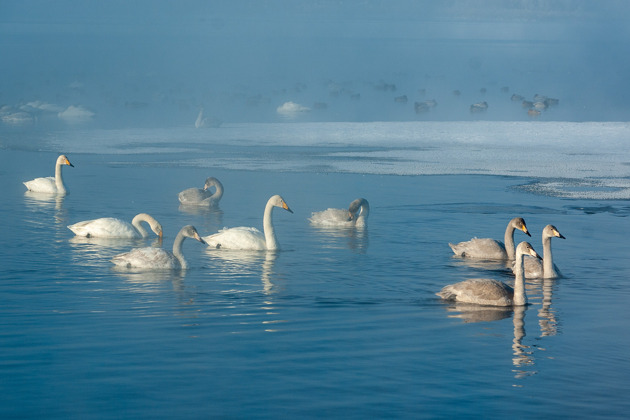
[[338, 324]]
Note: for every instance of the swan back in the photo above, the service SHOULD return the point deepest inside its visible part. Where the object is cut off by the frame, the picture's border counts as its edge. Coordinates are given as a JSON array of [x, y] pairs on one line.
[[203, 197], [486, 248]]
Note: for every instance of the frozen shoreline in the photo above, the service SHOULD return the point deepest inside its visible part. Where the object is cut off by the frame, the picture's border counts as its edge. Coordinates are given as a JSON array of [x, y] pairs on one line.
[[592, 157]]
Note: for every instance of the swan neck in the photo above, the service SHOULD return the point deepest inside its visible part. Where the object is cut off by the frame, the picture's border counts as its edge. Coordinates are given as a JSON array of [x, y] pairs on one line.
[[519, 283], [218, 193], [508, 240], [268, 229], [548, 270], [177, 249], [137, 223], [59, 179]]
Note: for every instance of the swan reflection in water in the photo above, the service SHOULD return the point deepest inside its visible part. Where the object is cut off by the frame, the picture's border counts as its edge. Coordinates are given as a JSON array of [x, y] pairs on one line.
[[522, 359], [547, 319], [234, 265], [356, 240], [37, 202], [142, 281], [245, 263]]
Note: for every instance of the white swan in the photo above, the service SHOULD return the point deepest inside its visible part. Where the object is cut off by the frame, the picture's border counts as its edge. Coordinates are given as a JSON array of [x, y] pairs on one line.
[[534, 268], [109, 227], [491, 249], [158, 258], [249, 237], [51, 185], [492, 292], [203, 197], [356, 215]]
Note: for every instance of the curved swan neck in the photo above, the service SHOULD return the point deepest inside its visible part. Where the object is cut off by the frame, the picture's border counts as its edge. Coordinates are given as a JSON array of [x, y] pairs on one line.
[[218, 193], [177, 249], [137, 223], [268, 229], [519, 283], [508, 240], [59, 178]]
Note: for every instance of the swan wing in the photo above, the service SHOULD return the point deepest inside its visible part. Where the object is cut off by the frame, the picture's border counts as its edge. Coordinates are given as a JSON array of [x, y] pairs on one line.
[[237, 238], [479, 291], [193, 196], [485, 248], [106, 227], [331, 218], [44, 185], [146, 258]]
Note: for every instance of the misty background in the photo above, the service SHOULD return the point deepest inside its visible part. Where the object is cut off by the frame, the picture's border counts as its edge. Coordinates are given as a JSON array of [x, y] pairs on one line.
[[156, 63]]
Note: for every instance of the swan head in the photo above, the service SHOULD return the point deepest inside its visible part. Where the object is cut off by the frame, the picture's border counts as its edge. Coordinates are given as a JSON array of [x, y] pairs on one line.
[[355, 206], [158, 230], [189, 231], [210, 182], [550, 231], [278, 201], [63, 160], [525, 248], [519, 223]]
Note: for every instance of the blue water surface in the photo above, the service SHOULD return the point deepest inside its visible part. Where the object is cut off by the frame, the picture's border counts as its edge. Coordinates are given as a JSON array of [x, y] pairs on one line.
[[340, 324]]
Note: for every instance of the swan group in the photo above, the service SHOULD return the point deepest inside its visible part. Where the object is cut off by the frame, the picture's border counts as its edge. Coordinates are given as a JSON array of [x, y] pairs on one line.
[[491, 249], [203, 197], [492, 292], [250, 238], [355, 216], [535, 268], [51, 185], [109, 227], [150, 258]]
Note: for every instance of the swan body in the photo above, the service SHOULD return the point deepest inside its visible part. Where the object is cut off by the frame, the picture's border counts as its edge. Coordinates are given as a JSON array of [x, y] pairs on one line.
[[355, 216], [109, 227], [492, 292], [50, 185], [534, 268], [157, 258], [203, 197], [248, 237], [491, 249]]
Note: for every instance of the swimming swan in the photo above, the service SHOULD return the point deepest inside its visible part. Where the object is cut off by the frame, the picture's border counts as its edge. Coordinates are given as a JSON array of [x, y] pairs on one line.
[[109, 227], [158, 258], [492, 292], [51, 185], [534, 268], [249, 237], [491, 249], [356, 215], [203, 197]]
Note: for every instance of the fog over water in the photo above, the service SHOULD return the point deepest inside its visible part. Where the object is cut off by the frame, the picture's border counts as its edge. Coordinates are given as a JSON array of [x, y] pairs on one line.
[[151, 64]]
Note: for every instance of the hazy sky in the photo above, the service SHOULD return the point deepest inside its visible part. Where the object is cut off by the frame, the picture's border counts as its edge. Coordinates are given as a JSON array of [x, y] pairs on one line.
[[240, 60]]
